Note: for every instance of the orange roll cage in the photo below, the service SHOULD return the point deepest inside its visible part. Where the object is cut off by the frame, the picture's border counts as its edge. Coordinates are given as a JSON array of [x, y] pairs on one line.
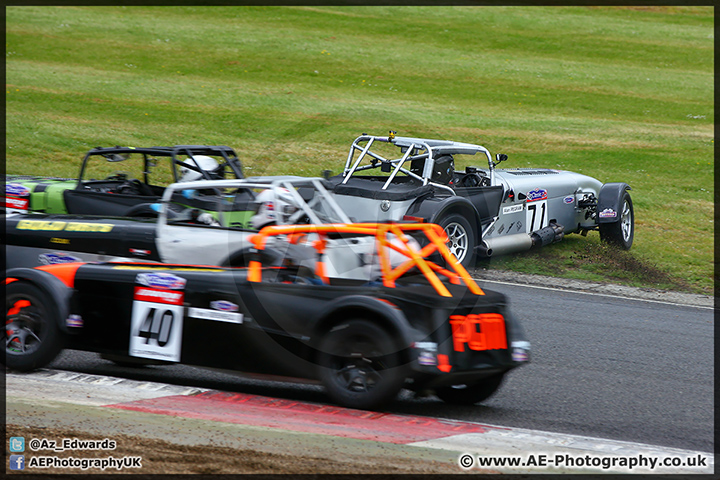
[[434, 233]]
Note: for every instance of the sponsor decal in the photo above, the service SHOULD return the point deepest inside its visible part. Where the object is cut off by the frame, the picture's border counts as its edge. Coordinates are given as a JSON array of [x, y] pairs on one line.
[[16, 190], [512, 209], [569, 199], [428, 353], [224, 306], [56, 226], [74, 321], [520, 355], [537, 194], [519, 226], [140, 251], [427, 358], [161, 280], [608, 213], [207, 314], [501, 229], [57, 258], [63, 241], [16, 203], [156, 295]]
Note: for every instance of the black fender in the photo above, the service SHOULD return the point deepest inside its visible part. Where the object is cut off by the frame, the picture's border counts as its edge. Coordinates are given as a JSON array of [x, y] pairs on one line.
[[381, 313], [59, 293], [434, 208], [609, 198]]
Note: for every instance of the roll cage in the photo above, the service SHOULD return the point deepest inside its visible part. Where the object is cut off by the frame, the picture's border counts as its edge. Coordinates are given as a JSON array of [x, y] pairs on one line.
[[309, 195], [436, 236], [151, 154], [413, 150]]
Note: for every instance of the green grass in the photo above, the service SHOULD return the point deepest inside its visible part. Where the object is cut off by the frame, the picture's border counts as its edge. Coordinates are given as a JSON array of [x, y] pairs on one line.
[[621, 94]]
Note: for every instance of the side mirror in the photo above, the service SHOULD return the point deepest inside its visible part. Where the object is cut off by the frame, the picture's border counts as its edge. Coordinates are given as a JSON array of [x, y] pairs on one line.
[[500, 157]]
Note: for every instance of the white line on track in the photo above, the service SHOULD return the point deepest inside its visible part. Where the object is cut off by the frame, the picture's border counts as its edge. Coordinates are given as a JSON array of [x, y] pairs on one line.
[[594, 294]]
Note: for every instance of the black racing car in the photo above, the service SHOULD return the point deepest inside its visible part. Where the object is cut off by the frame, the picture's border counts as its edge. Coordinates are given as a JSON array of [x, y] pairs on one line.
[[120, 181], [363, 341]]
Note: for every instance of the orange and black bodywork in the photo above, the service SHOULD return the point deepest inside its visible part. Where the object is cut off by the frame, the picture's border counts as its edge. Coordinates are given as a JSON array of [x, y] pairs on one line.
[[429, 333]]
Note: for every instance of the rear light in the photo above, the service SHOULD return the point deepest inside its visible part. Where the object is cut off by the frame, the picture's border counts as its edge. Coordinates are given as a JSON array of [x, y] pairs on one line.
[[410, 218]]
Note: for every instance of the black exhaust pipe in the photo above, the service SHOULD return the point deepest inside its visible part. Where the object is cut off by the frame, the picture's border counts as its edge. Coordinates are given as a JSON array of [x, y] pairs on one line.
[[553, 233]]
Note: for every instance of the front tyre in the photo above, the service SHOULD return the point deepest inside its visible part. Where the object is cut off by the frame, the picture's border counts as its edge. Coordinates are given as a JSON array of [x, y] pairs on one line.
[[360, 365], [620, 233], [471, 394], [461, 238], [31, 335]]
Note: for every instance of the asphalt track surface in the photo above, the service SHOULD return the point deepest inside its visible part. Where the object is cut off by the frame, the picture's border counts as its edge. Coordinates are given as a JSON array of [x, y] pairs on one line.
[[602, 366]]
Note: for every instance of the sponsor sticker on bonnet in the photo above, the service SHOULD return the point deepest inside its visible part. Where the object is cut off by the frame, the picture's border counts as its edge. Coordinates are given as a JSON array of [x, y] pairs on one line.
[[161, 280], [537, 194]]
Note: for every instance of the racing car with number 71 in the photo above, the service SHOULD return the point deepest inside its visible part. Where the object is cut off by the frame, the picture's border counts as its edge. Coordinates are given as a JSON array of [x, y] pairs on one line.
[[484, 211]]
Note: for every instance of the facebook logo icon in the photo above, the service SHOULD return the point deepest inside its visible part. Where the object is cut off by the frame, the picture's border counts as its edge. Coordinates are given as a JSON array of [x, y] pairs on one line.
[[17, 462]]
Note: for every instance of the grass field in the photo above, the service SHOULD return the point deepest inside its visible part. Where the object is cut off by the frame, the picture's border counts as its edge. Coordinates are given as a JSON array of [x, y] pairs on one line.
[[621, 94]]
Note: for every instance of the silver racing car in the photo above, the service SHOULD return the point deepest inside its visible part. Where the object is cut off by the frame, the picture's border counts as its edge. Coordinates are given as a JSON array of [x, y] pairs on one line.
[[484, 211]]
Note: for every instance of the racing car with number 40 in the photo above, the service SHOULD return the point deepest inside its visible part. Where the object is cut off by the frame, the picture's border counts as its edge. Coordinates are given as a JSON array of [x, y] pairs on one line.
[[421, 326]]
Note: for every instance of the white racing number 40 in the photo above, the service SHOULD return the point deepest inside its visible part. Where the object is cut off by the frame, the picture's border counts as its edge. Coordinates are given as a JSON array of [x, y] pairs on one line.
[[156, 326]]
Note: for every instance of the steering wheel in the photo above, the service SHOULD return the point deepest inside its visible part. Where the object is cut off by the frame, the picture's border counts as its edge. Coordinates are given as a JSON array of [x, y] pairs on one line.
[[474, 180], [118, 176], [134, 186]]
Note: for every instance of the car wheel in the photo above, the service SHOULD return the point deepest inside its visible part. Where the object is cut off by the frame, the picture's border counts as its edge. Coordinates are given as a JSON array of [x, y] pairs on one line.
[[32, 337], [471, 394], [461, 238], [620, 233], [360, 365]]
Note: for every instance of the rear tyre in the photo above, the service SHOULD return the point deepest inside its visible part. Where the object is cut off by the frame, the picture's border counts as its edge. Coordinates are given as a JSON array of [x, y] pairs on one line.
[[360, 365], [31, 335], [461, 238], [471, 394], [620, 233]]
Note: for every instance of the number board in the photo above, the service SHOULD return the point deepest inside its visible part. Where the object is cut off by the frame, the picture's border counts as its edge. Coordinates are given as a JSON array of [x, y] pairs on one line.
[[156, 325], [536, 216]]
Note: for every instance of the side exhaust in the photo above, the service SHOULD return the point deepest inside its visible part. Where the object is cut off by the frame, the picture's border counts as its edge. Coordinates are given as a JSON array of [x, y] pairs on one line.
[[553, 233]]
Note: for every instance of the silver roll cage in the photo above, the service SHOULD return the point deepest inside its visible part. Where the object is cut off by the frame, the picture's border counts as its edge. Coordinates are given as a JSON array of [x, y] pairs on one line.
[[412, 149]]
